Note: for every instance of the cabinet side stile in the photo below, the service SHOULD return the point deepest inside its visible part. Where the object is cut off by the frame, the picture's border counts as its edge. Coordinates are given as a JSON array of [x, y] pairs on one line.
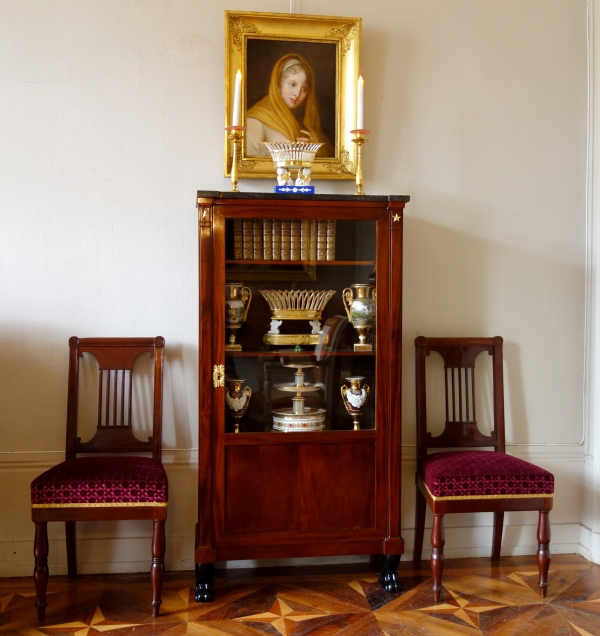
[[217, 414], [205, 552], [383, 352], [395, 213]]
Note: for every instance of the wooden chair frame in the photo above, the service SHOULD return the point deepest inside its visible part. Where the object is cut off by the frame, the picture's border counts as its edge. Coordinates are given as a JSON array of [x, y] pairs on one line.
[[461, 432], [110, 437]]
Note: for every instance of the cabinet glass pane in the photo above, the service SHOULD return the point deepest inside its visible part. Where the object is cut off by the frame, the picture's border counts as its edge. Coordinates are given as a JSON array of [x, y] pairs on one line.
[[306, 325]]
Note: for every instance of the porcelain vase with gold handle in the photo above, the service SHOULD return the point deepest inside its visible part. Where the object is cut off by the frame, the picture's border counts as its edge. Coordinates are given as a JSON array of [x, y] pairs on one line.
[[237, 304], [360, 303]]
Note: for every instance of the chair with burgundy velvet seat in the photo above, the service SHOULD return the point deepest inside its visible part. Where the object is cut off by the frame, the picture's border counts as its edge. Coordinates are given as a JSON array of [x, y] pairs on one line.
[[472, 480], [121, 485]]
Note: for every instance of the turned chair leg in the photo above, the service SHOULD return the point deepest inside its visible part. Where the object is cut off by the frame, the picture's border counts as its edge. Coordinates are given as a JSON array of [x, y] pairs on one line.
[[420, 510], [40, 571], [71, 548], [157, 571], [543, 553], [497, 538], [437, 555]]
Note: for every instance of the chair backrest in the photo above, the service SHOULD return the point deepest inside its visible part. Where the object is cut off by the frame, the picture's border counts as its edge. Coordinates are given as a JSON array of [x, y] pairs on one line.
[[115, 357], [460, 430]]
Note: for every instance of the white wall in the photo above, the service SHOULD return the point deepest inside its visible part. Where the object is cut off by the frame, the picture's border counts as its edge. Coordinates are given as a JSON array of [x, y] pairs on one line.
[[110, 120]]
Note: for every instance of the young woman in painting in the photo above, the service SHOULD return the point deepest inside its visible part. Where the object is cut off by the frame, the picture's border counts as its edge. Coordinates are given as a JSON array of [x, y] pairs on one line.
[[289, 112]]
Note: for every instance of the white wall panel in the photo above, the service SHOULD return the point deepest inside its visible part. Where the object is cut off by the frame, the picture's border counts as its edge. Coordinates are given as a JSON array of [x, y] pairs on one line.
[[111, 118]]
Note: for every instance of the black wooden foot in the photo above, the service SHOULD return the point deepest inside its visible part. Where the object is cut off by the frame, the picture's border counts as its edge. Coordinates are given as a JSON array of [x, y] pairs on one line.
[[388, 576], [205, 583]]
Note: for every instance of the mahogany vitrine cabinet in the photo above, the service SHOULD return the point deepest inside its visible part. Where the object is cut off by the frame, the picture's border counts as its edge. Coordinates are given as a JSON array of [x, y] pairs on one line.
[[299, 379]]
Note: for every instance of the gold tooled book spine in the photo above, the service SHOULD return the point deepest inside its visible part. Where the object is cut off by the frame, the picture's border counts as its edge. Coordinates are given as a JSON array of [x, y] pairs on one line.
[[276, 239], [267, 226], [321, 240], [257, 236], [313, 240], [305, 239], [295, 240], [248, 243], [286, 238], [331, 240], [238, 240]]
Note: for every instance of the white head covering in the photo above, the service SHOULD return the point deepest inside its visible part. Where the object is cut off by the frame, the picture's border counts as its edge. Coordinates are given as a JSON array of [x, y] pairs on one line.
[[290, 63]]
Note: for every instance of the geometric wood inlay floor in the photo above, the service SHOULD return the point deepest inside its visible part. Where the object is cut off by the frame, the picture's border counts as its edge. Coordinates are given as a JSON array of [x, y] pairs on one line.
[[477, 598]]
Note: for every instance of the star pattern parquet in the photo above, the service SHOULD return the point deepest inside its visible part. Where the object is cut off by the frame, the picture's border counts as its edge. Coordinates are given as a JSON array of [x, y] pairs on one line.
[[478, 599]]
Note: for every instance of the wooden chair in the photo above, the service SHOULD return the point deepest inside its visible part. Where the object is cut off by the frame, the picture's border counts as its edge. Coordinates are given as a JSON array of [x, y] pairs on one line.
[[119, 486], [472, 480]]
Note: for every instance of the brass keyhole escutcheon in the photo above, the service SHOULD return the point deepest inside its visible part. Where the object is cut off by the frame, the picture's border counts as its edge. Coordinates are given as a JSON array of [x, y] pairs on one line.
[[218, 376]]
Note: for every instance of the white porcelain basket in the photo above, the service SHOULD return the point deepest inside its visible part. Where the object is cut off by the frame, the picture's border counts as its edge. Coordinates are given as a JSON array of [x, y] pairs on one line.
[[292, 154]]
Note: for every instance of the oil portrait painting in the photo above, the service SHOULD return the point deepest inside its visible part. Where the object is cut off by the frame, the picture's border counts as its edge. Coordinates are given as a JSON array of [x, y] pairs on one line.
[[299, 77]]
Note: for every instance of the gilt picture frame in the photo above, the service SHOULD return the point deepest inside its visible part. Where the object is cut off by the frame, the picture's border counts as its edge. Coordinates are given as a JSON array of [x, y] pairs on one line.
[[259, 45]]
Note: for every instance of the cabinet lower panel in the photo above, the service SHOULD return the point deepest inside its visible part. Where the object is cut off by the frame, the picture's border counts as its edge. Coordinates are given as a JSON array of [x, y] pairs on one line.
[[298, 550], [299, 488]]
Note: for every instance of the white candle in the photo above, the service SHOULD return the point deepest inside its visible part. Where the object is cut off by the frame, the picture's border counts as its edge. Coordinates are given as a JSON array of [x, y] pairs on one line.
[[359, 103], [237, 99]]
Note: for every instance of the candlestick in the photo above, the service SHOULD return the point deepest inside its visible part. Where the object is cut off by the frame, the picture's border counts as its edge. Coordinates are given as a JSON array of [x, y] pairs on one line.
[[359, 139], [237, 98], [360, 103], [236, 134]]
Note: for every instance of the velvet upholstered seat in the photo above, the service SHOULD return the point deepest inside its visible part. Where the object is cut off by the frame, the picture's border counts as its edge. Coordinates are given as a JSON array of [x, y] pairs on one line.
[[122, 485], [454, 480], [457, 474], [106, 481]]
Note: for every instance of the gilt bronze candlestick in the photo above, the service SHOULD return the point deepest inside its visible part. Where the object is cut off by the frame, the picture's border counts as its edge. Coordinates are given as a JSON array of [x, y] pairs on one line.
[[236, 134], [359, 139]]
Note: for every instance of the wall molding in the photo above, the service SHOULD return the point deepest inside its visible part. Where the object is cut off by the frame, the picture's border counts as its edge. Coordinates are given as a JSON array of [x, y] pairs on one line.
[[591, 513], [132, 554], [47, 459]]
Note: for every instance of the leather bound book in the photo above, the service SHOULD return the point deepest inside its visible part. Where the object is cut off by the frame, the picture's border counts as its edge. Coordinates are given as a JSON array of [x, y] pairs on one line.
[[331, 240], [276, 239], [305, 239], [321, 240], [313, 240], [257, 237], [238, 240], [248, 243], [295, 242], [267, 226], [286, 239]]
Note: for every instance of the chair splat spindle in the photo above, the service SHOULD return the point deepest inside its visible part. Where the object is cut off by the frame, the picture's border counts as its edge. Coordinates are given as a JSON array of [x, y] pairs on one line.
[[100, 394], [460, 401], [122, 415]]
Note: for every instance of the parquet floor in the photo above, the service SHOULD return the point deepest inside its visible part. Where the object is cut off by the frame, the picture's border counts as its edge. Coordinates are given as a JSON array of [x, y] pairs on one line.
[[344, 600]]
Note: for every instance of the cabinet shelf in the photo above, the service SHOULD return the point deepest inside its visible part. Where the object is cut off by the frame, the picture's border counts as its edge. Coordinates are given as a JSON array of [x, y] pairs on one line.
[[319, 437], [296, 262], [277, 354]]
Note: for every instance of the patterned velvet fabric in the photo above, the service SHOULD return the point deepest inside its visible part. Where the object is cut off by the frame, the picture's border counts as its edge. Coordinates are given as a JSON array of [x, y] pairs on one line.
[[101, 480], [484, 474]]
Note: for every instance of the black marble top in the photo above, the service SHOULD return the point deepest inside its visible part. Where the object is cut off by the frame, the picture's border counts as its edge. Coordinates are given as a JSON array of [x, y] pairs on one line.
[[215, 194]]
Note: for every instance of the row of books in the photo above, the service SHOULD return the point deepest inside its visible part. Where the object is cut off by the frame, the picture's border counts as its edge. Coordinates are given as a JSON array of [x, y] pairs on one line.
[[284, 239]]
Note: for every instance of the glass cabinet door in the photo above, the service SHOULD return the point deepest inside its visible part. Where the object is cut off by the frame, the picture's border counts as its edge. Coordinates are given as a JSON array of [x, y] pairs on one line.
[[300, 324]]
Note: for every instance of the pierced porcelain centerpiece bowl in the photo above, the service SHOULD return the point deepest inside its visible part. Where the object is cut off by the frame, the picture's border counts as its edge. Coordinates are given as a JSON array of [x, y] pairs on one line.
[[296, 304], [297, 154], [292, 154]]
